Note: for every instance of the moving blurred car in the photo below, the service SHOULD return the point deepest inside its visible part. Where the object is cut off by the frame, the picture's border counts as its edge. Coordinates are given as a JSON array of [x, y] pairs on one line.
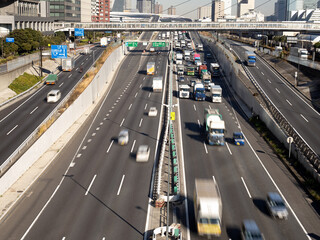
[[250, 231], [123, 137], [238, 138], [143, 153], [152, 112], [181, 79], [276, 206]]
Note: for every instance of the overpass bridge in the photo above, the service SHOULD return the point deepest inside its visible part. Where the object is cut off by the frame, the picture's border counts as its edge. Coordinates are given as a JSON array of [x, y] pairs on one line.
[[191, 26]]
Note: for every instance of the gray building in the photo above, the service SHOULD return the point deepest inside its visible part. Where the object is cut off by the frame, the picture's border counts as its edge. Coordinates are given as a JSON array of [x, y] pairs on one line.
[[118, 6], [144, 6], [66, 11], [21, 14], [280, 10]]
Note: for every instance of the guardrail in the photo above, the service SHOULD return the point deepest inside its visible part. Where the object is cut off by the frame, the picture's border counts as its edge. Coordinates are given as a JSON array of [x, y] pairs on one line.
[[28, 140]]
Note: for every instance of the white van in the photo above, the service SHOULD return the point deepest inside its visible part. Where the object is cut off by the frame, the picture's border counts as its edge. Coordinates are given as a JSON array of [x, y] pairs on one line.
[[53, 96]]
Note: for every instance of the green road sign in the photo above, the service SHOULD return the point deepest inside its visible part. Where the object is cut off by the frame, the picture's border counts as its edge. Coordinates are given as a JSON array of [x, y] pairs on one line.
[[158, 44], [132, 44]]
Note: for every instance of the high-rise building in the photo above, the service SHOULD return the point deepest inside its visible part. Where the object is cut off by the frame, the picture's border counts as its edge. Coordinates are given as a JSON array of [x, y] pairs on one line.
[[280, 10], [127, 5], [293, 5], [204, 12], [158, 9], [227, 7], [85, 11], [310, 4], [100, 10], [318, 4], [67, 11], [171, 10], [217, 10], [244, 6], [118, 6], [144, 6]]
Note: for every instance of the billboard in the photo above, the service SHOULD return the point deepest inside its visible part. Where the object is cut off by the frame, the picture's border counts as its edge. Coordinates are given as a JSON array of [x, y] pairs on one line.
[[79, 32], [59, 51]]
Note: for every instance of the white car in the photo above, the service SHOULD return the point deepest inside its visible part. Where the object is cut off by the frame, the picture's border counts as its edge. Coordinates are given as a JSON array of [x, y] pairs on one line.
[[53, 96], [143, 153], [123, 137], [152, 49], [153, 112]]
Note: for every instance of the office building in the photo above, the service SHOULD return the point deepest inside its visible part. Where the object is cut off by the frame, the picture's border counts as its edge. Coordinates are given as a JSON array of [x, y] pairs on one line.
[[100, 11], [204, 12], [217, 10], [144, 6], [293, 5], [118, 6], [18, 14], [227, 7], [310, 4], [66, 11], [171, 10], [85, 11], [127, 5], [280, 10], [244, 6], [158, 9]]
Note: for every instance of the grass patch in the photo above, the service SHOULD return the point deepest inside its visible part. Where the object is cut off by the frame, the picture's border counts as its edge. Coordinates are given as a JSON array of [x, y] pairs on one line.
[[24, 82], [294, 166]]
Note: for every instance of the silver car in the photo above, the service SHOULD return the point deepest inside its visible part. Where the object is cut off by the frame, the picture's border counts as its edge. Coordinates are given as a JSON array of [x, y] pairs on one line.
[[143, 153], [123, 137], [276, 206]]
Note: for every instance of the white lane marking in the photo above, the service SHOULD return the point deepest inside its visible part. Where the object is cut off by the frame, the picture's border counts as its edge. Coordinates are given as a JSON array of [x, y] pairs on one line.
[[84, 148], [289, 102], [82, 63], [257, 67], [121, 122], [209, 106], [61, 84], [70, 75], [136, 95], [93, 134], [194, 106], [72, 164], [77, 69], [304, 118], [134, 142], [90, 184], [130, 106], [144, 78], [33, 110], [97, 129], [245, 185], [228, 148], [12, 130], [110, 146], [140, 122], [149, 95], [120, 185], [205, 147], [140, 85], [277, 90], [86, 59], [262, 73], [145, 107], [89, 140], [278, 189], [79, 155], [269, 81], [199, 123]]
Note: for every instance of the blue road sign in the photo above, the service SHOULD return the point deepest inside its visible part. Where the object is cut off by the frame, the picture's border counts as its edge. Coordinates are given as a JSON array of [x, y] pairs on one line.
[[9, 39], [78, 32], [59, 51]]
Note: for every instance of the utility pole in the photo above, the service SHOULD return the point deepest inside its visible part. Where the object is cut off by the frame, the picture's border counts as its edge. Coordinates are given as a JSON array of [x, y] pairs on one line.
[[40, 59]]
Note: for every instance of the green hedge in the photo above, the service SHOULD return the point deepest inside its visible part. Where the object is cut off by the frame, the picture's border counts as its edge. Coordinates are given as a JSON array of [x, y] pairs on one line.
[[24, 82]]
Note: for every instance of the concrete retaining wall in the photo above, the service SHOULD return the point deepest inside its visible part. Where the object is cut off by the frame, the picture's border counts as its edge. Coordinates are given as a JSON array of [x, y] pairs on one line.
[[65, 121]]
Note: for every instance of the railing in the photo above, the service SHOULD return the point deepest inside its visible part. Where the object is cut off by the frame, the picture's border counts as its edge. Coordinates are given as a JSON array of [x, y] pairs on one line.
[[152, 26]]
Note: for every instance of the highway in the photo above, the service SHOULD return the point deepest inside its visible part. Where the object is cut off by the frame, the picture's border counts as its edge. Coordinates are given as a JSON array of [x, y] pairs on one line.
[[296, 109], [20, 119], [103, 194], [244, 174]]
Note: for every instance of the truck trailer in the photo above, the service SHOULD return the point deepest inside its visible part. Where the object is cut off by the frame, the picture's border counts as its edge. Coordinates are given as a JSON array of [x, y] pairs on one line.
[[216, 93], [207, 207], [199, 92], [103, 42], [215, 69], [157, 84], [67, 64], [214, 126]]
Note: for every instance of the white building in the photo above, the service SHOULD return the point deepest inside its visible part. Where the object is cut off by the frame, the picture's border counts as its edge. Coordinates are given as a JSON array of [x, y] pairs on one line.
[[227, 7], [252, 16], [244, 6], [85, 11], [204, 12]]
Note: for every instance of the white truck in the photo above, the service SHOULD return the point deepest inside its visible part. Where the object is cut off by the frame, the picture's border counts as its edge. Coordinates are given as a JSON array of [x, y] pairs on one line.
[[200, 47], [150, 68], [216, 93], [163, 36], [207, 207], [177, 44], [67, 64], [184, 91], [183, 43], [187, 55], [179, 57], [86, 50], [180, 69], [103, 42], [157, 84], [214, 127], [168, 34]]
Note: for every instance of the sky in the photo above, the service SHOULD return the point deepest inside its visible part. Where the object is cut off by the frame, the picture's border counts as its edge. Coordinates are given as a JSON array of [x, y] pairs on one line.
[[189, 9]]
